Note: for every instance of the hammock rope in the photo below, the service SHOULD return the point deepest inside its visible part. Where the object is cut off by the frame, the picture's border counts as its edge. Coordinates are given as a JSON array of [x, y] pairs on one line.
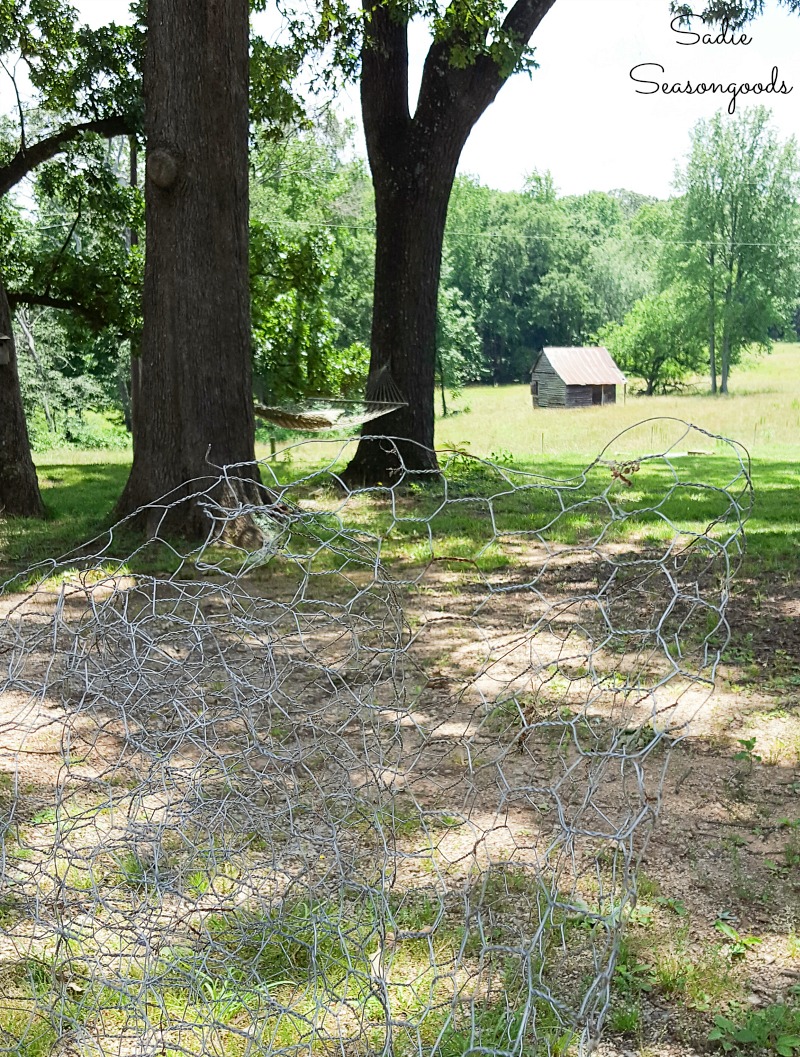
[[315, 414]]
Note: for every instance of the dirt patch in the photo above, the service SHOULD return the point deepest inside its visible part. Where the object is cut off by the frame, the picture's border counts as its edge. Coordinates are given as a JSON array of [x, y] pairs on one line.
[[234, 772]]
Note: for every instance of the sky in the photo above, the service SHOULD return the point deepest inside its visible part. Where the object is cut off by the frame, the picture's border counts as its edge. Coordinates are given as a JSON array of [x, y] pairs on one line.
[[579, 114]]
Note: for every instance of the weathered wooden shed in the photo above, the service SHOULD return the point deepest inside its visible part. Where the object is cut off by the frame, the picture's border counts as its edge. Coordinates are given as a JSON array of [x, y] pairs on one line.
[[575, 377]]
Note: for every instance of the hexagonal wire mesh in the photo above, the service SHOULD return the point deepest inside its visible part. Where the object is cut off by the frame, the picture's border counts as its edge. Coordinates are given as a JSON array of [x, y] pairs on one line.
[[374, 779]]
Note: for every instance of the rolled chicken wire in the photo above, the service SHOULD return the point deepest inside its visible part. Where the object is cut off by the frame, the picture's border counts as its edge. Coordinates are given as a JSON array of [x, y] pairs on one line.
[[367, 772]]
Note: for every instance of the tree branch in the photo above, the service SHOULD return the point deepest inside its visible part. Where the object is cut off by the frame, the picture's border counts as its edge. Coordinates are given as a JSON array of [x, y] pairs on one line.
[[63, 249], [384, 79], [524, 17], [26, 326], [13, 76], [474, 88], [27, 159], [28, 297]]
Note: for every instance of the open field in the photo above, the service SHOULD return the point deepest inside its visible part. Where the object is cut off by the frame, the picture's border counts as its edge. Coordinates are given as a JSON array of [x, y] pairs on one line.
[[762, 412], [91, 790]]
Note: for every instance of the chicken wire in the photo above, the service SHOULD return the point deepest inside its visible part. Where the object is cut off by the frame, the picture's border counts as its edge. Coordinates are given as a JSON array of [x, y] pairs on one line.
[[367, 772]]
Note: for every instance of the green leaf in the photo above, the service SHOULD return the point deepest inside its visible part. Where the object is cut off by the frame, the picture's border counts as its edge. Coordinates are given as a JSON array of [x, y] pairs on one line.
[[790, 1042], [745, 1035], [727, 930], [725, 1024]]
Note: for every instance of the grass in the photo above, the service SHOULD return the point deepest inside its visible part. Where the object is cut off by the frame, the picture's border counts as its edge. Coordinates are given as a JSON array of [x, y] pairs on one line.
[[275, 955], [80, 487], [762, 412]]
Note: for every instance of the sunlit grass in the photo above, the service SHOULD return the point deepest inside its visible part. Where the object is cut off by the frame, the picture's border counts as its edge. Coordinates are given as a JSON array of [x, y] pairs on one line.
[[762, 412]]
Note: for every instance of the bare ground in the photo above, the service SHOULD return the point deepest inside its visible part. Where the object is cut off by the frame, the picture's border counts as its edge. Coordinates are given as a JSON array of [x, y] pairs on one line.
[[727, 839]]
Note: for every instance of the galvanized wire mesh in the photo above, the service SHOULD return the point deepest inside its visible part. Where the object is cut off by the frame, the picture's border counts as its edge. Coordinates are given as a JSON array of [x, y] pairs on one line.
[[368, 771]]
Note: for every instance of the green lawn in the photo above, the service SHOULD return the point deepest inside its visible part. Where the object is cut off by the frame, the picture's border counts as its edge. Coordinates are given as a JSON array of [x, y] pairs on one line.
[[763, 414]]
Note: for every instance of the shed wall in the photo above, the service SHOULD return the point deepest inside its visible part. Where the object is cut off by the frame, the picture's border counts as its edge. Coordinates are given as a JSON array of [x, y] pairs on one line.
[[579, 396], [590, 395], [552, 392]]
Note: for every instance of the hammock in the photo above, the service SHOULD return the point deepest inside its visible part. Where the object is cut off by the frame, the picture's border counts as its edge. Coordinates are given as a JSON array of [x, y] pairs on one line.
[[315, 414]]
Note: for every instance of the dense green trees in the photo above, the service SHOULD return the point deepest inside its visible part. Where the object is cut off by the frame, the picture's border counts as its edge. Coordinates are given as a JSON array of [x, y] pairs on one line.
[[520, 270], [311, 266], [82, 80], [726, 265], [338, 263], [538, 270]]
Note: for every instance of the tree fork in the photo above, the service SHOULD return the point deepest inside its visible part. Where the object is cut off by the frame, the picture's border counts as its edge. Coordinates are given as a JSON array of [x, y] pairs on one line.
[[413, 162]]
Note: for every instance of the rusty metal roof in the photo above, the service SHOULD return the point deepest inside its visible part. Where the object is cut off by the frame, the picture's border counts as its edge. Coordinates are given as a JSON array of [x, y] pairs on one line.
[[585, 366]]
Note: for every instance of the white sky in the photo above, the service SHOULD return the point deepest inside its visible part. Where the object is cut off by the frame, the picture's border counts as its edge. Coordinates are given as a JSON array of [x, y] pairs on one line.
[[579, 115]]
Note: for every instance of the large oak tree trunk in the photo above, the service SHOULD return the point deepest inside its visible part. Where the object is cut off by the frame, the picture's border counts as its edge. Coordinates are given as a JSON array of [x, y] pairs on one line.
[[410, 223], [19, 488], [195, 401]]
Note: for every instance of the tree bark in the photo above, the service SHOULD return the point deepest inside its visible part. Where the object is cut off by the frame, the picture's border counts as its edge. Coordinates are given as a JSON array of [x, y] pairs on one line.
[[19, 488], [135, 339], [726, 360], [195, 400], [413, 162], [726, 334]]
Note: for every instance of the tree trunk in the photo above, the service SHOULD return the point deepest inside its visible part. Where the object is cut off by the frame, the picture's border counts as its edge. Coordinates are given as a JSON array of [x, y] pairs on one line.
[[440, 369], [726, 360], [19, 488], [413, 162], [712, 327], [194, 404], [726, 335], [409, 235], [134, 397]]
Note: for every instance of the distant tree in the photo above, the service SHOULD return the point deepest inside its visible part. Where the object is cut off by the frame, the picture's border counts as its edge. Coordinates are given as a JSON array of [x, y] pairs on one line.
[[75, 287], [294, 333], [660, 340], [630, 202], [458, 345], [310, 266], [737, 12], [740, 224], [539, 270]]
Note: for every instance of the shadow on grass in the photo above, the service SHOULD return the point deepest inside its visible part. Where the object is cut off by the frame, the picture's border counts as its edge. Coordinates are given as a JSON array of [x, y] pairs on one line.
[[80, 498], [78, 503]]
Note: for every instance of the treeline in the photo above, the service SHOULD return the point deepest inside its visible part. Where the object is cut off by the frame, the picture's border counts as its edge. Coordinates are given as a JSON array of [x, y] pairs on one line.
[[673, 288]]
